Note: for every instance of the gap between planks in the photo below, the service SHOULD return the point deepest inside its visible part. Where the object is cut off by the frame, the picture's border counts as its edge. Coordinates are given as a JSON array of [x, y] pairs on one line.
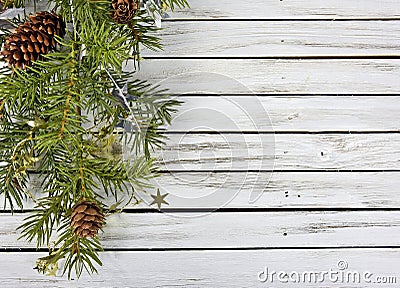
[[283, 94], [277, 57], [184, 249], [289, 132], [291, 19]]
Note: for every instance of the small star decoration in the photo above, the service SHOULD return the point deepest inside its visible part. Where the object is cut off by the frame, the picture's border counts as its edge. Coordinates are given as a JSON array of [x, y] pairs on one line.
[[159, 199]]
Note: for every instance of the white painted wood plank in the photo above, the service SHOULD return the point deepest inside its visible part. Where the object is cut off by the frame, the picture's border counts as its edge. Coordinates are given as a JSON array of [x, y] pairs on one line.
[[253, 229], [202, 152], [279, 38], [276, 190], [227, 230], [273, 9], [207, 268], [316, 113], [279, 190], [273, 76]]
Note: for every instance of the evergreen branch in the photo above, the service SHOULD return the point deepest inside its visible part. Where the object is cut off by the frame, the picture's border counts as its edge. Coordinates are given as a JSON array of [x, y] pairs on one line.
[[69, 96], [64, 120], [79, 253], [40, 224], [60, 115]]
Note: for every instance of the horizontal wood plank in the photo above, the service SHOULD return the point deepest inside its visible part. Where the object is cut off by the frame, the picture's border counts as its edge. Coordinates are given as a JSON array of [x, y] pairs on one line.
[[305, 114], [236, 230], [280, 38], [274, 9], [272, 76], [279, 190], [208, 268], [246, 152], [327, 190]]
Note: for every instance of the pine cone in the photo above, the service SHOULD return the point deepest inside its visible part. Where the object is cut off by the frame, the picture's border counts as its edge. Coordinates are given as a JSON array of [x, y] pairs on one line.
[[86, 219], [32, 39], [123, 10]]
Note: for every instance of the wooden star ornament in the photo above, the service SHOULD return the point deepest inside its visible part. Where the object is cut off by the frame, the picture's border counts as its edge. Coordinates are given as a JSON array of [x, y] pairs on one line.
[[159, 199]]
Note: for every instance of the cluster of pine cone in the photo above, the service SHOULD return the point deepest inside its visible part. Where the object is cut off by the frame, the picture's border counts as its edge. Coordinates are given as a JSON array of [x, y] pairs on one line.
[[33, 39], [37, 36], [123, 10]]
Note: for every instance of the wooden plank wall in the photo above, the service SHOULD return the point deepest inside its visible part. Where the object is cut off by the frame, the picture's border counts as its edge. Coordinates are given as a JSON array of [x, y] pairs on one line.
[[295, 102]]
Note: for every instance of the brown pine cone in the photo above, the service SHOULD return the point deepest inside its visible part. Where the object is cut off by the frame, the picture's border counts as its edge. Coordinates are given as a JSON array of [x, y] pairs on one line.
[[86, 219], [32, 39], [123, 10]]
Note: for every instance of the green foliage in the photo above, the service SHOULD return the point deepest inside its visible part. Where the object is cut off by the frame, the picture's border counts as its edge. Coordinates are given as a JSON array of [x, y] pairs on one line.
[[59, 119], [176, 3], [13, 3]]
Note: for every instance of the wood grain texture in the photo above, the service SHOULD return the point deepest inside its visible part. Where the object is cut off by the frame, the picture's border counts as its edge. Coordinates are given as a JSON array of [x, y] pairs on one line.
[[275, 190], [302, 114], [275, 9], [237, 230], [273, 76], [206, 268], [203, 152], [279, 190], [288, 38]]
